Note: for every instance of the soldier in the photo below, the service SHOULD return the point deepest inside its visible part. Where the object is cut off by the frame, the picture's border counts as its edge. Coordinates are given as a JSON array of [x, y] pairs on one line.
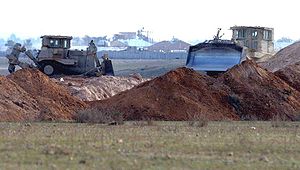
[[92, 47], [13, 57], [106, 66], [92, 50]]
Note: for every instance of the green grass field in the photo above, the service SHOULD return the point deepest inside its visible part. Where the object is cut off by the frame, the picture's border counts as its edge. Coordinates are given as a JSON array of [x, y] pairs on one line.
[[152, 145]]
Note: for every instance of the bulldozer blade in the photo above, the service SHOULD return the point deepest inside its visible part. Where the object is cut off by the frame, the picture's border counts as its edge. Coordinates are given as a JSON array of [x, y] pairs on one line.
[[214, 57]]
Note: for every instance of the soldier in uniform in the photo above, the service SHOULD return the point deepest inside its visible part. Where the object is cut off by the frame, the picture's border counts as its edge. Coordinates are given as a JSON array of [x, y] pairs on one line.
[[92, 47], [13, 57], [92, 50]]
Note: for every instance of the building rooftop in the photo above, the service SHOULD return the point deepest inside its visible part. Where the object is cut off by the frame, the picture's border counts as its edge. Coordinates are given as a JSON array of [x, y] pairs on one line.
[[253, 27], [57, 36]]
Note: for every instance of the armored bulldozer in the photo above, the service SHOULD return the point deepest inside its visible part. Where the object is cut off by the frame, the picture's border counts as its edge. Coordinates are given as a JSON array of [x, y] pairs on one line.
[[214, 56], [56, 57]]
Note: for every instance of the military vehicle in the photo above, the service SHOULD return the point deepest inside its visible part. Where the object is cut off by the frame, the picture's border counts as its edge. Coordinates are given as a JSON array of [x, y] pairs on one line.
[[56, 57], [214, 56]]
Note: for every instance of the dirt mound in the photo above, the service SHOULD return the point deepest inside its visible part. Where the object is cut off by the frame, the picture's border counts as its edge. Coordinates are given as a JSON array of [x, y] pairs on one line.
[[286, 56], [258, 94], [53, 101], [15, 103], [98, 88], [246, 92], [291, 75], [182, 94]]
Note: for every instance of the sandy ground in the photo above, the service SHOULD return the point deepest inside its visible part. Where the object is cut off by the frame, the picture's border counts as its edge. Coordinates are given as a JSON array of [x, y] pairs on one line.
[[147, 68]]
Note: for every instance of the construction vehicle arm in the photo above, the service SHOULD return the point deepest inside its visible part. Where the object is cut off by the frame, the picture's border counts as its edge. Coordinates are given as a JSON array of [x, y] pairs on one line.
[[30, 55]]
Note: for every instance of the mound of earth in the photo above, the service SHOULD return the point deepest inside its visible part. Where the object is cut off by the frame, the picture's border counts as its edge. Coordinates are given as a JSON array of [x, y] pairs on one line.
[[53, 102], [286, 56], [182, 94], [15, 103], [258, 94], [98, 88], [245, 92], [291, 75]]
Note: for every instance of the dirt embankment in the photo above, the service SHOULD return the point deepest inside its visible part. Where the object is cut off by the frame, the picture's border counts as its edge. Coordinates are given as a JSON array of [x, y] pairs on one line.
[[15, 103], [258, 94], [291, 75], [286, 56], [181, 94], [245, 92], [28, 94]]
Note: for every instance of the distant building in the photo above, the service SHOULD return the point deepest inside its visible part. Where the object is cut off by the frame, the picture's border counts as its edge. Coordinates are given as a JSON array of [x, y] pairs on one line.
[[258, 40], [124, 36], [174, 45], [117, 43]]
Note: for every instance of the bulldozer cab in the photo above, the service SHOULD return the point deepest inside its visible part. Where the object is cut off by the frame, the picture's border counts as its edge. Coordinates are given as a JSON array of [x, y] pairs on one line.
[[63, 42]]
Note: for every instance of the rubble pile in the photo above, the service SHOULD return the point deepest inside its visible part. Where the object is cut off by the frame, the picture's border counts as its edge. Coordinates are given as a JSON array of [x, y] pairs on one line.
[[28, 94], [245, 92]]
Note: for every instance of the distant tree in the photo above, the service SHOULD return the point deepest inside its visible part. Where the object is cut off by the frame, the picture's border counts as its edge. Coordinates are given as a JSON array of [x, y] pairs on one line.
[[77, 41], [28, 44], [14, 38], [10, 43], [86, 39]]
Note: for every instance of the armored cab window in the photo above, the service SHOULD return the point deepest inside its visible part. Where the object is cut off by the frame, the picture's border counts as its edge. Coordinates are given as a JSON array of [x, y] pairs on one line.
[[254, 34], [267, 35], [52, 43], [241, 33], [66, 44], [55, 43]]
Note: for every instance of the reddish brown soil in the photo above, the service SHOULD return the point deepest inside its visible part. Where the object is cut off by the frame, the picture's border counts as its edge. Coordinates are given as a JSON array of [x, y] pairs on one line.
[[246, 92], [182, 94], [258, 94], [37, 97], [15, 103], [291, 75]]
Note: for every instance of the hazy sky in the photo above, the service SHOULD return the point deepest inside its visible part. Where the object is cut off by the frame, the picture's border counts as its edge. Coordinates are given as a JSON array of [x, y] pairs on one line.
[[184, 19]]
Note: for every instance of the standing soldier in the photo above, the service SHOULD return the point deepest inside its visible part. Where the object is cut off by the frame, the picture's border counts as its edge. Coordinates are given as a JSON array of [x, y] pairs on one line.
[[13, 57], [92, 50]]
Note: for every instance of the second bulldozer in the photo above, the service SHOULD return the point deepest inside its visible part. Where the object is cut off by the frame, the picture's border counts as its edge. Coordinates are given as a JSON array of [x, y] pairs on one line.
[[214, 56]]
